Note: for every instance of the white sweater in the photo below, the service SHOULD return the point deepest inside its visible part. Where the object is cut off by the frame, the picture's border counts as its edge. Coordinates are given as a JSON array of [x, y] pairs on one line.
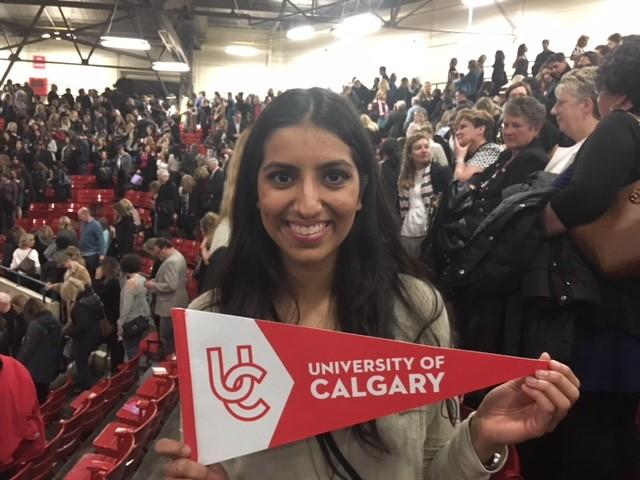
[[20, 254]]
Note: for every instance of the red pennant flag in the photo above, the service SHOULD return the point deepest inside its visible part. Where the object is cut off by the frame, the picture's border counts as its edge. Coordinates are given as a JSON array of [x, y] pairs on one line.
[[247, 385]]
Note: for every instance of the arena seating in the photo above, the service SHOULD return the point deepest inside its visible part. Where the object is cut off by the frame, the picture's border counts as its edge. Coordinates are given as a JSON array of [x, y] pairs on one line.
[[120, 446]]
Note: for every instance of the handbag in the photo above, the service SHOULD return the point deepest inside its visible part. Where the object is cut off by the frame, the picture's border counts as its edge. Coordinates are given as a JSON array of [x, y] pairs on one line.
[[27, 265], [135, 327], [106, 327], [611, 242]]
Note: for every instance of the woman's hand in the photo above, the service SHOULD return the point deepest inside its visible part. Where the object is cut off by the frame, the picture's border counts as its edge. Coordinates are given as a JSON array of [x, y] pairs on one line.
[[524, 409], [180, 467], [459, 151]]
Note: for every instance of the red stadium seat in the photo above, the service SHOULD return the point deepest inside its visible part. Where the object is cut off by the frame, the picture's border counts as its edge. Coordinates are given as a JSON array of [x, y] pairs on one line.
[[71, 432], [130, 369], [41, 467], [93, 466], [50, 409], [151, 346], [100, 400], [106, 443], [161, 389]]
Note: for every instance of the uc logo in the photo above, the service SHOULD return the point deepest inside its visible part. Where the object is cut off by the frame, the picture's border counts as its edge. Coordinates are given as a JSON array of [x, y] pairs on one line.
[[235, 386]]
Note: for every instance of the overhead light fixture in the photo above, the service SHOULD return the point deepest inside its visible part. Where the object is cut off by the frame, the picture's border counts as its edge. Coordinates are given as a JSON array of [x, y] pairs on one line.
[[304, 32], [358, 26], [45, 35], [170, 67], [124, 43], [240, 51], [478, 3]]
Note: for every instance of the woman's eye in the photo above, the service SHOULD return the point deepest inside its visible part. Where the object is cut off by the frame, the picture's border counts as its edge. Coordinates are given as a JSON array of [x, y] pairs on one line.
[[281, 178], [336, 177]]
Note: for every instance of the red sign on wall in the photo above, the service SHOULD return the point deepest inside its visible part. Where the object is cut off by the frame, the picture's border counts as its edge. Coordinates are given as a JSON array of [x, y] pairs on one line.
[[39, 61], [40, 86]]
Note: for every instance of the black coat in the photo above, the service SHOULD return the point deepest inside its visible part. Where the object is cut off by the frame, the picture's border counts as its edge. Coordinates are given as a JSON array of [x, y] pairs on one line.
[[166, 204], [85, 322], [214, 189], [394, 127], [109, 293], [125, 231], [16, 328], [41, 348]]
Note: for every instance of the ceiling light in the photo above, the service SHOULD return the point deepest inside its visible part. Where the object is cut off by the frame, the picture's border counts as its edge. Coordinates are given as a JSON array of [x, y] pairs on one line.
[[170, 67], [124, 43], [240, 51], [304, 32], [45, 35], [478, 3], [358, 26]]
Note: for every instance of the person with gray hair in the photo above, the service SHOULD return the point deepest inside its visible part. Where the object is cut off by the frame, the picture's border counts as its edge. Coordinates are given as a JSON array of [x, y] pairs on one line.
[[169, 287], [523, 120], [576, 110]]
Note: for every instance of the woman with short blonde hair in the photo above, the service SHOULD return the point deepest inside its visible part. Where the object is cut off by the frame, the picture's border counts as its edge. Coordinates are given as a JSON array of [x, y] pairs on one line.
[[25, 257], [474, 150], [576, 111]]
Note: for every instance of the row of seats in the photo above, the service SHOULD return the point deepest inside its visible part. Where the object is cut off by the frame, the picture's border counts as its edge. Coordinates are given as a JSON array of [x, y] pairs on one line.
[[140, 199], [121, 444], [88, 410]]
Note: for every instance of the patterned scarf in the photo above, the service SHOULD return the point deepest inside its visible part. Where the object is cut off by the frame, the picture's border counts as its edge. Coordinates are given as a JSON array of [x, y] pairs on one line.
[[429, 197]]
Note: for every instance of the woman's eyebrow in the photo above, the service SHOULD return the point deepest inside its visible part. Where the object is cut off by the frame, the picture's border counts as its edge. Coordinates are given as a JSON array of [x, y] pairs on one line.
[[330, 164], [336, 163], [279, 165]]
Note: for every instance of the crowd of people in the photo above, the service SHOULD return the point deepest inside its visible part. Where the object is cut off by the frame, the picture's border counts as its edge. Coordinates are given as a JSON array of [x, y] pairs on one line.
[[478, 187]]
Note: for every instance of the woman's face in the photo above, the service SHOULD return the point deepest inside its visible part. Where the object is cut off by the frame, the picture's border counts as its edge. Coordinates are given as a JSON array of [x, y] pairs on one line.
[[547, 78], [584, 61], [308, 193], [419, 118], [518, 92], [421, 153], [467, 133], [517, 132], [571, 113]]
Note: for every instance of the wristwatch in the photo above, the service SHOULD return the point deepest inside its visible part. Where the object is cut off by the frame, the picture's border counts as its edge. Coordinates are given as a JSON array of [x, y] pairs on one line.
[[494, 461]]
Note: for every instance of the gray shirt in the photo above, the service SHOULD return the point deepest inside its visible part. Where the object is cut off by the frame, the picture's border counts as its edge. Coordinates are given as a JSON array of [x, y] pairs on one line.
[[133, 300]]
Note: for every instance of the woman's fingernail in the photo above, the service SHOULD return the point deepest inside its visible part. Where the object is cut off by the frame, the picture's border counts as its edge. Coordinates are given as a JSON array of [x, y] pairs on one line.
[[542, 373], [531, 380], [186, 451]]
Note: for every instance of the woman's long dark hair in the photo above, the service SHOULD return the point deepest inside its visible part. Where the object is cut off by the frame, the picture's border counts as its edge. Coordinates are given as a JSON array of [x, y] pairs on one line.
[[366, 283]]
